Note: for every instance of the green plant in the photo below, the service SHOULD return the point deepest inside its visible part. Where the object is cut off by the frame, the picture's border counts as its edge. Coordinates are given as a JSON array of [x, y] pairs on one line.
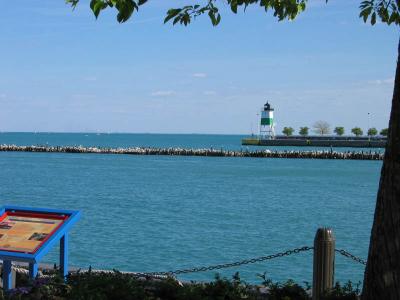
[[346, 292], [105, 285], [288, 131], [303, 131], [288, 290], [372, 132], [339, 130], [384, 132], [116, 285], [41, 288], [357, 131]]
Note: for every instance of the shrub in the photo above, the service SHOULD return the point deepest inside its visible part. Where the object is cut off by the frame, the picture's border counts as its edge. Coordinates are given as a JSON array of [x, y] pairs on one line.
[[339, 130], [345, 292], [303, 131], [116, 285]]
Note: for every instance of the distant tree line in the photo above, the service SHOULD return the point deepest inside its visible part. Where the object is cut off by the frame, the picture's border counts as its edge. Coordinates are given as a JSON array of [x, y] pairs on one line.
[[323, 128]]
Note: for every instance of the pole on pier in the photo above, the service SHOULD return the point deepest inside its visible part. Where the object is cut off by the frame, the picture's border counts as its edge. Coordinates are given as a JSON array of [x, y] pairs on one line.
[[324, 262]]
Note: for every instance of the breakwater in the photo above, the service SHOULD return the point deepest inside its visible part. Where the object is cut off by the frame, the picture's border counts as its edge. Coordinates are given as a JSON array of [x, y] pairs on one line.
[[313, 154], [318, 141]]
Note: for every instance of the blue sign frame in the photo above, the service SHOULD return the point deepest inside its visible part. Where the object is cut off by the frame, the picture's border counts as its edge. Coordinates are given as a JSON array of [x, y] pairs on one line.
[[60, 235]]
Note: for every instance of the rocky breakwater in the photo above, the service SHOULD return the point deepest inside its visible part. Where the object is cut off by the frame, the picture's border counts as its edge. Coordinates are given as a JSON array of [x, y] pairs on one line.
[[313, 154]]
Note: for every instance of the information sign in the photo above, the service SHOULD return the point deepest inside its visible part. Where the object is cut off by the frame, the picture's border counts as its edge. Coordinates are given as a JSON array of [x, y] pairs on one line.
[[27, 234]]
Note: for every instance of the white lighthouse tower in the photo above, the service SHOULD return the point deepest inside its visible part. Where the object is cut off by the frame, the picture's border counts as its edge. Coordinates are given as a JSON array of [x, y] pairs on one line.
[[267, 126]]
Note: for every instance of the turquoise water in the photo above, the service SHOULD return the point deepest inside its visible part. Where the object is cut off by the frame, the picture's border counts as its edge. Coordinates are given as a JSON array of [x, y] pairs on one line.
[[159, 213]]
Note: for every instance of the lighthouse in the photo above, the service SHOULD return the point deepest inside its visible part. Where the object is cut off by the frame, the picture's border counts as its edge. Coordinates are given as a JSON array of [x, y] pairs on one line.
[[267, 131]]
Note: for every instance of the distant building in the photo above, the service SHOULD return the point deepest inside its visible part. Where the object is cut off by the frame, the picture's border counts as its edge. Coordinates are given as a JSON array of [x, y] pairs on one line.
[[267, 125]]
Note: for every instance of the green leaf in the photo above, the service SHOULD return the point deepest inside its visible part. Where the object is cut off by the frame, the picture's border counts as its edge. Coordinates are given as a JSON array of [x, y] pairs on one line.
[[365, 13], [112, 3], [125, 9], [234, 6], [73, 3], [92, 4], [176, 20], [171, 14], [373, 18], [393, 17], [97, 6], [212, 18], [302, 6]]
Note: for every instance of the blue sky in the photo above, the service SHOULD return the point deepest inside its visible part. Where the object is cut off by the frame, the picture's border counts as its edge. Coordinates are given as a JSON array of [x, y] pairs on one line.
[[61, 70]]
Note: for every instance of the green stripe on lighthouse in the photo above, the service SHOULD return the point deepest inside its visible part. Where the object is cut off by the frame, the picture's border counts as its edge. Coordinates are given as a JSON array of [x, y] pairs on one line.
[[266, 121]]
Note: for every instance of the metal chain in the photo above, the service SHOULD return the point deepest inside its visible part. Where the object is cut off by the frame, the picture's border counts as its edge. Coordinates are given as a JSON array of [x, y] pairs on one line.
[[233, 264], [351, 256]]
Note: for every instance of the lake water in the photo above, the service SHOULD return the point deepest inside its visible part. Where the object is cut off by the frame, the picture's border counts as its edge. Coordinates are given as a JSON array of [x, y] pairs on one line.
[[159, 213]]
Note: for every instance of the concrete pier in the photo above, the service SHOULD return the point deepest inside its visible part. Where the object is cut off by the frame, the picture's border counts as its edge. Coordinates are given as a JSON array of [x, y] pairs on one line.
[[318, 141], [312, 154]]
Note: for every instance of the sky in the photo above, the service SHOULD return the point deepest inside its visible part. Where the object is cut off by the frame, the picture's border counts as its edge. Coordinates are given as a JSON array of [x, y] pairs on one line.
[[64, 71]]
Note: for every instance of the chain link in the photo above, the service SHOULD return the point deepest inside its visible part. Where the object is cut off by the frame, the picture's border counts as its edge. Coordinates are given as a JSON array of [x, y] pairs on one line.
[[229, 265], [351, 256], [237, 263]]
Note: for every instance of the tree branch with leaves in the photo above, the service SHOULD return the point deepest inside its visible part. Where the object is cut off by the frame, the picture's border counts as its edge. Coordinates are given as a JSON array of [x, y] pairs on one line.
[[386, 10]]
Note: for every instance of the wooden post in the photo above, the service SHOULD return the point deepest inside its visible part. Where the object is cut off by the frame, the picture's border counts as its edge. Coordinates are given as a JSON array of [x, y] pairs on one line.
[[324, 262]]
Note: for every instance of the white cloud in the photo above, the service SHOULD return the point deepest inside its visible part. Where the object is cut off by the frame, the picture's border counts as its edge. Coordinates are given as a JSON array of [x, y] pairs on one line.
[[389, 80], [382, 81], [209, 93], [199, 75], [163, 93]]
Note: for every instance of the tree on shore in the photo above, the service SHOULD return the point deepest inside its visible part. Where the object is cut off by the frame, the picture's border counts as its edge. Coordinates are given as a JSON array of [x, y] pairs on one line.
[[382, 274], [288, 131], [339, 130], [384, 132], [372, 131], [357, 131], [303, 131], [322, 127]]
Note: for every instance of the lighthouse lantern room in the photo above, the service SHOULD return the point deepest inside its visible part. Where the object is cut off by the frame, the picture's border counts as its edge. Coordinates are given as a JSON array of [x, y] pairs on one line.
[[267, 130]]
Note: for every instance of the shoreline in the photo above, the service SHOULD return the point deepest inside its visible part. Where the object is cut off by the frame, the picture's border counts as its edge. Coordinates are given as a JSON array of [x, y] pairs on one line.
[[309, 154]]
